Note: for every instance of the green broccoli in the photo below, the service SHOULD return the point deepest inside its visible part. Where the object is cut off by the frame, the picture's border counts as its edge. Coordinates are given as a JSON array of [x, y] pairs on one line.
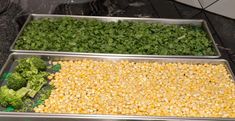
[[31, 65], [32, 69], [37, 62], [43, 94], [36, 82], [15, 81], [22, 66], [22, 92], [27, 79], [9, 97]]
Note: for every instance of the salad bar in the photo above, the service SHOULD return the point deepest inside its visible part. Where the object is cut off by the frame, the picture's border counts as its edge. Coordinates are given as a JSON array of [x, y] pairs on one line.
[[113, 68]]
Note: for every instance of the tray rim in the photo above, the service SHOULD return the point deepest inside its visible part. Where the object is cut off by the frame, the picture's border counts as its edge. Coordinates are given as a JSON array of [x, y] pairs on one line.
[[203, 24], [110, 117]]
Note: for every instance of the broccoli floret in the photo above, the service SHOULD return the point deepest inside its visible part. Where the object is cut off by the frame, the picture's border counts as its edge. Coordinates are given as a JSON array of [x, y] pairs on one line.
[[38, 63], [31, 69], [9, 97], [22, 92], [28, 79], [15, 81], [28, 73], [22, 66], [36, 82], [30, 65]]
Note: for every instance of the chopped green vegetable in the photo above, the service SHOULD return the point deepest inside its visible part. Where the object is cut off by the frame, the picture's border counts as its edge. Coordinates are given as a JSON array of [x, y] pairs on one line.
[[26, 81], [15, 81], [22, 92], [45, 92], [33, 70], [30, 66], [9, 97], [37, 62], [42, 95], [36, 82], [27, 105], [83, 35]]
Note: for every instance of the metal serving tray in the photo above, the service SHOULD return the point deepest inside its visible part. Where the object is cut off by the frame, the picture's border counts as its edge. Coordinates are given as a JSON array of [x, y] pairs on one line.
[[17, 116], [201, 23]]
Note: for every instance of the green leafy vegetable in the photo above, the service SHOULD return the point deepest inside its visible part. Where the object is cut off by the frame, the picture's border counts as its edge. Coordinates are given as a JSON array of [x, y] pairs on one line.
[[68, 34], [32, 69], [22, 92], [15, 81], [27, 105], [9, 97], [45, 92], [36, 82], [30, 66], [42, 95], [26, 81]]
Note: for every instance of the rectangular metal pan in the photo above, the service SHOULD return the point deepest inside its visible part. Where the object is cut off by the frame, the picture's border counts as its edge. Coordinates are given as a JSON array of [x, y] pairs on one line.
[[201, 23], [15, 116]]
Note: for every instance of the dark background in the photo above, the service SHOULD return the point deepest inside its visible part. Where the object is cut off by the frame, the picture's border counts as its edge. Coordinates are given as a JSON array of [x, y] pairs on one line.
[[13, 14]]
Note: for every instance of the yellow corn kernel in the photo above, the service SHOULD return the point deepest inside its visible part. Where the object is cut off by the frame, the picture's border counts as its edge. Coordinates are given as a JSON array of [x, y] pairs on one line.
[[141, 88]]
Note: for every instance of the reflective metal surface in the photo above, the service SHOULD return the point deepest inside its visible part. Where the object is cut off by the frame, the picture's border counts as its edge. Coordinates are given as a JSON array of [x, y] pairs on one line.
[[16, 116]]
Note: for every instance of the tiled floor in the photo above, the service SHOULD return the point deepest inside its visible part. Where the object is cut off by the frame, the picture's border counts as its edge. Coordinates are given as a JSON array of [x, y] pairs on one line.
[[13, 15]]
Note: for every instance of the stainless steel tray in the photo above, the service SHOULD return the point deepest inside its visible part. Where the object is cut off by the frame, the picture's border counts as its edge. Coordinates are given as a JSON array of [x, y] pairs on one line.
[[15, 116], [201, 23]]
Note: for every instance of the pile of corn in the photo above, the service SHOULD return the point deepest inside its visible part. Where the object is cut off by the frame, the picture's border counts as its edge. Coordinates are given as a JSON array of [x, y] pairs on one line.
[[141, 88]]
